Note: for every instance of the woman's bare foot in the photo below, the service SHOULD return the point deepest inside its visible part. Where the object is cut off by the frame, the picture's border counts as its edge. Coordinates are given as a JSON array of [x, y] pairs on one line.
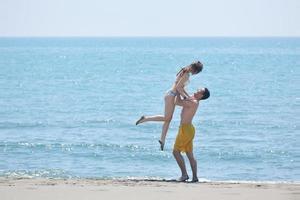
[[140, 120], [183, 178], [162, 145]]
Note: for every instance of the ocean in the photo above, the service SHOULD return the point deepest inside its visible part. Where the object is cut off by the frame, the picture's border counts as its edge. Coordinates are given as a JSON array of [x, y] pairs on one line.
[[68, 107]]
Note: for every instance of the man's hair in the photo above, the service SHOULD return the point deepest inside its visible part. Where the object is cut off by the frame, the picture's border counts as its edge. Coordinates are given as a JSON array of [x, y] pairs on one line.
[[206, 94]]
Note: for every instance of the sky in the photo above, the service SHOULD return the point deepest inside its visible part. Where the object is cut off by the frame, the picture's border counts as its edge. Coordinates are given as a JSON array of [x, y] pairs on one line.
[[196, 18]]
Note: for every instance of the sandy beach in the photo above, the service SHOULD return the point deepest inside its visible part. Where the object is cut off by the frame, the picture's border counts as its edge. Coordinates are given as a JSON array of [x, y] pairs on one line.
[[32, 189]]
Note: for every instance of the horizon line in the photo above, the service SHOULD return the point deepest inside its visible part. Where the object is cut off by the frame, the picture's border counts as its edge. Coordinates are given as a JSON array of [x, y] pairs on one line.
[[147, 36]]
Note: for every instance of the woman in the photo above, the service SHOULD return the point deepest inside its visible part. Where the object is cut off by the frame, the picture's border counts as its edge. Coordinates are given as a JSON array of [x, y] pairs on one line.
[[182, 79]]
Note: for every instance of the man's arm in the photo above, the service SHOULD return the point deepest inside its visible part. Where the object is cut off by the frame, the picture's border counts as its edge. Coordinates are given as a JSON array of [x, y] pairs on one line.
[[182, 92], [180, 102]]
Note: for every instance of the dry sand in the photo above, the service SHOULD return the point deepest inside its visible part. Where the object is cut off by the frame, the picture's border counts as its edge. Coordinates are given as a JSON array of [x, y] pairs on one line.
[[73, 189]]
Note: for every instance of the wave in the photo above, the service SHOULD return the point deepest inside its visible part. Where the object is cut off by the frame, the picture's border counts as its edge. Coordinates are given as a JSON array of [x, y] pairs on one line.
[[91, 148], [56, 124], [29, 174], [60, 174]]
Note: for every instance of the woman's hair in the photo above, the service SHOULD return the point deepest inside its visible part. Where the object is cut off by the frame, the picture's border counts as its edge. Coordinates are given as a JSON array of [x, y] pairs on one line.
[[196, 66]]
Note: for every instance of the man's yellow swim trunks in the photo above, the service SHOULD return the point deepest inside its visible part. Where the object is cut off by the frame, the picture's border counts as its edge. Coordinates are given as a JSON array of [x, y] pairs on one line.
[[184, 139]]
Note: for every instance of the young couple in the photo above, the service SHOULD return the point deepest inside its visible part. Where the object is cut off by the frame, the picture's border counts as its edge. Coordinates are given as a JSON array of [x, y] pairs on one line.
[[178, 96]]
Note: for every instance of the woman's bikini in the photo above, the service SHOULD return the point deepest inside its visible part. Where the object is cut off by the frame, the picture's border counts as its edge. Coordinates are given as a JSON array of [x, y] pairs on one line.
[[171, 93]]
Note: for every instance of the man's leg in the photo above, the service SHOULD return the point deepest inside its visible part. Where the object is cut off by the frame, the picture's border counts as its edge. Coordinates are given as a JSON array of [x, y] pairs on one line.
[[193, 163], [181, 164]]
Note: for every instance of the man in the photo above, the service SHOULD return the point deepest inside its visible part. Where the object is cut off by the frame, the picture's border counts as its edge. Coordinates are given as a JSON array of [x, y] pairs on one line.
[[186, 132]]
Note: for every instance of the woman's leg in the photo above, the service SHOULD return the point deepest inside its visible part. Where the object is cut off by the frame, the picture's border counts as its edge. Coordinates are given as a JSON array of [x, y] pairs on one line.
[[169, 110], [153, 118]]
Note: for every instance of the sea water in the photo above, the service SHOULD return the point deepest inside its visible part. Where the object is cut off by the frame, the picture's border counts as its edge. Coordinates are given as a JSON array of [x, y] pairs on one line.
[[68, 107]]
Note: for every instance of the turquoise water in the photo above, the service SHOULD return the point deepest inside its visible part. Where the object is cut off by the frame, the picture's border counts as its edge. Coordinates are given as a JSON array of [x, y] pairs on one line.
[[68, 107]]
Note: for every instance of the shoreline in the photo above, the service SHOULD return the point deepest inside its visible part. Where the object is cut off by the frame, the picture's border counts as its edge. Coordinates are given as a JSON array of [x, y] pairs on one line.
[[43, 188], [144, 179]]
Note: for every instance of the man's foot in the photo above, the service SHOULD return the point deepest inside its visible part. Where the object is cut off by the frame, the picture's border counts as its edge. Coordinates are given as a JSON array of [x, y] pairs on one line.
[[140, 120], [195, 180], [183, 178], [162, 144]]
